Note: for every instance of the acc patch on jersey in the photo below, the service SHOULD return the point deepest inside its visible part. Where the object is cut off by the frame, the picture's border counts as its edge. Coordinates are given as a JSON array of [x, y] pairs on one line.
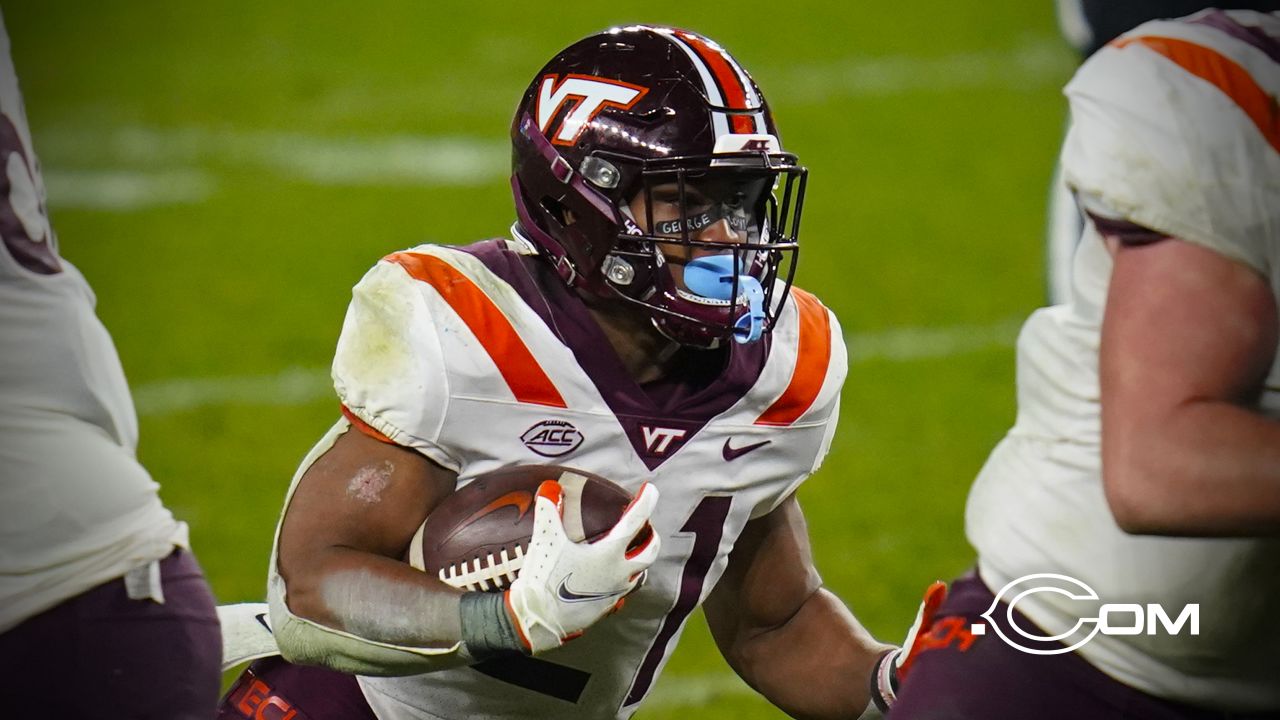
[[552, 438]]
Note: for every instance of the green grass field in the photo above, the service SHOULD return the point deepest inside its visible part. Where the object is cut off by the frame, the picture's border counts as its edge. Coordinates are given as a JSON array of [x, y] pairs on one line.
[[224, 172]]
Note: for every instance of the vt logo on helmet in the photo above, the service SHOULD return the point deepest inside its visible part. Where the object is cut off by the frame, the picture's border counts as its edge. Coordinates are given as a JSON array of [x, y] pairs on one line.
[[647, 168], [589, 94]]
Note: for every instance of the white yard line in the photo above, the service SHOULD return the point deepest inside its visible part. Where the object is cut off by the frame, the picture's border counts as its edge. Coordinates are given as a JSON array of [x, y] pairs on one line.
[[297, 386], [126, 190], [395, 160], [142, 162], [1034, 63], [148, 166], [904, 344]]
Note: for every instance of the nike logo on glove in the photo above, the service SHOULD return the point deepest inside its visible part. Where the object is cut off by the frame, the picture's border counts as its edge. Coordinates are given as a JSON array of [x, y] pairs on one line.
[[564, 593], [733, 453]]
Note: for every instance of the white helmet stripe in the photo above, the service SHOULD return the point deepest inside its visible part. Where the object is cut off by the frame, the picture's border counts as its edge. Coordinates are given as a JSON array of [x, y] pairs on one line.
[[718, 120]]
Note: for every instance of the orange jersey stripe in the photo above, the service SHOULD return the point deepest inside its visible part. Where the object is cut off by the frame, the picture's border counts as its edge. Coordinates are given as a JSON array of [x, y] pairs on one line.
[[812, 358], [735, 96], [528, 382], [1224, 73]]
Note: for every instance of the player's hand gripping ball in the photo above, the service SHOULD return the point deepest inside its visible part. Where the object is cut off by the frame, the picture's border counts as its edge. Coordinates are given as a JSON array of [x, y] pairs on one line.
[[478, 537]]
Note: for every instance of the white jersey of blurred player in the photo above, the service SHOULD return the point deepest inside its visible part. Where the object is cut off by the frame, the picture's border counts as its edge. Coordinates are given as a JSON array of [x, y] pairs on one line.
[[76, 508], [466, 356], [1089, 25], [1139, 153]]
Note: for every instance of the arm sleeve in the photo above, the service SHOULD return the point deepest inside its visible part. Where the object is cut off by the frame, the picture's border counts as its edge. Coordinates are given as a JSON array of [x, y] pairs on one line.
[[303, 641]]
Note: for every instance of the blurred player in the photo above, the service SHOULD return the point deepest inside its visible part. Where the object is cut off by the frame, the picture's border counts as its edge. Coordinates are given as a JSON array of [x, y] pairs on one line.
[[104, 613], [1089, 25], [1144, 467], [644, 309]]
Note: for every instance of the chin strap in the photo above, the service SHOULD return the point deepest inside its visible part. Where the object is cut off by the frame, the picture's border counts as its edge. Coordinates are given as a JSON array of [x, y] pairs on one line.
[[713, 277]]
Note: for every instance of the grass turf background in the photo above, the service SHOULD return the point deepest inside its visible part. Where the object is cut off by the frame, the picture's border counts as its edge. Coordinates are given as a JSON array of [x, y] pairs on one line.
[[223, 174]]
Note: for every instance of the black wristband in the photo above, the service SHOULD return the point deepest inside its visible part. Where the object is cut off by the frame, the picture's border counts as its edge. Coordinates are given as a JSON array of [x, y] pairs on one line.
[[487, 629], [884, 680]]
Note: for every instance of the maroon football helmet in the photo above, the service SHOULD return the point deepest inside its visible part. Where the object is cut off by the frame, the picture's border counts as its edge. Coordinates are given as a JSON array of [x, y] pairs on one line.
[[669, 115]]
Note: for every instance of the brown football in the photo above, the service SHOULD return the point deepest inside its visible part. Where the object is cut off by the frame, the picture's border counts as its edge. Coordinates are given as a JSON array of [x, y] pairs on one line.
[[476, 537]]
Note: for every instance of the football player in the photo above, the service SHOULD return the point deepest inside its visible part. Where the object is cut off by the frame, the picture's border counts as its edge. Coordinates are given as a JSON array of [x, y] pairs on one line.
[[1126, 526], [104, 612], [643, 308]]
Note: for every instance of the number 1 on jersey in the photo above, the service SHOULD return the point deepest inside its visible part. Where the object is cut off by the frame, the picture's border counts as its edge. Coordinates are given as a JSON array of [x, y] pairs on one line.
[[706, 524]]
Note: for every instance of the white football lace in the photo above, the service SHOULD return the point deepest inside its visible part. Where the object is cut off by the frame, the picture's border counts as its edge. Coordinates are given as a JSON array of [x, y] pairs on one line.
[[485, 574]]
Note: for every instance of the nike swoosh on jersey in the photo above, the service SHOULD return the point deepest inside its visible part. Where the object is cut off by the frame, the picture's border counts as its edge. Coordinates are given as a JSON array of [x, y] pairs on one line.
[[564, 593], [733, 453], [262, 620]]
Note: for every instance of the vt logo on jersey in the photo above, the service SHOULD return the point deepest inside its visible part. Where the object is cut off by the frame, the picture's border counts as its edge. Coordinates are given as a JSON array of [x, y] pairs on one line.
[[657, 440], [588, 95], [655, 444], [552, 438]]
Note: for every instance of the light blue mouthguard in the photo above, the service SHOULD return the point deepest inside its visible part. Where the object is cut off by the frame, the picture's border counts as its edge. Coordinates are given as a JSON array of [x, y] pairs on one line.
[[712, 277]]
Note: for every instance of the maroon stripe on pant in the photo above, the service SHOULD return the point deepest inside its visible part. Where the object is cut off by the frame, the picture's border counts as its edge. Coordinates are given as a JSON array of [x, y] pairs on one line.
[[103, 655], [963, 676]]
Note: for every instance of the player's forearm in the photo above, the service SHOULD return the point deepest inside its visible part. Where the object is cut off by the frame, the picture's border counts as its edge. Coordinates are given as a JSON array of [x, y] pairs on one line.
[[375, 598], [816, 665], [1202, 468]]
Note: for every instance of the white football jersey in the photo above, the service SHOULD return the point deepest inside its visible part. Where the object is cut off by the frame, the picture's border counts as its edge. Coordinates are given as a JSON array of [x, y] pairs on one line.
[[76, 508], [480, 358], [1174, 128]]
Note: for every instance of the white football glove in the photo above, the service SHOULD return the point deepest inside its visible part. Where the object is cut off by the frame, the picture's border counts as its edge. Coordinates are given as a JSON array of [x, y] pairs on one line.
[[564, 586]]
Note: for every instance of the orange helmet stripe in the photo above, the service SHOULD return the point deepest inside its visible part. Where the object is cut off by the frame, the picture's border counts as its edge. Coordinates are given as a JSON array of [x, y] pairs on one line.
[[729, 79]]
